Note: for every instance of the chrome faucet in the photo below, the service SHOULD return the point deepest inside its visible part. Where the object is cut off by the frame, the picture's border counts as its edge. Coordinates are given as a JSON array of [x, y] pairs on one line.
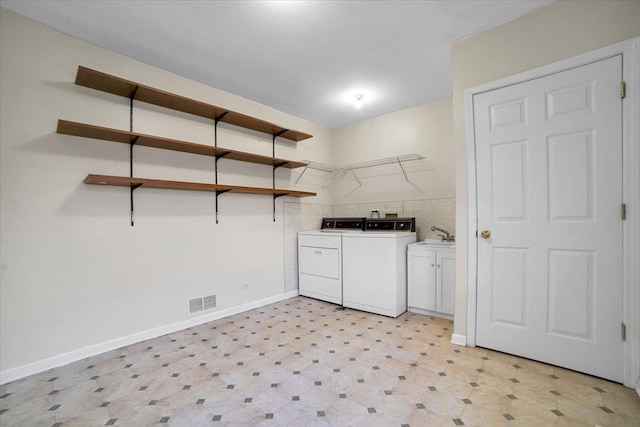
[[446, 237]]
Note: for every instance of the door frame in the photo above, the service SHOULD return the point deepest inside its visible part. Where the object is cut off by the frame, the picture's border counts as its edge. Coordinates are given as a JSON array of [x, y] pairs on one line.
[[630, 51]]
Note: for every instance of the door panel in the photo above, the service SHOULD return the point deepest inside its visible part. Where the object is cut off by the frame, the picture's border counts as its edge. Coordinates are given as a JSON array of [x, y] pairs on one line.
[[509, 113], [509, 178], [574, 99], [571, 293], [509, 296], [571, 176], [549, 189]]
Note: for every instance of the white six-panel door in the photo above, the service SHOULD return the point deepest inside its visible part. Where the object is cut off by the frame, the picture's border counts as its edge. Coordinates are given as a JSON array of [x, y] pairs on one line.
[[549, 191]]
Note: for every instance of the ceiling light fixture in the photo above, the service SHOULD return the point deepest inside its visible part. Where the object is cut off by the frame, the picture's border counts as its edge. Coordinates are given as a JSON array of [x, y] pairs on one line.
[[358, 100]]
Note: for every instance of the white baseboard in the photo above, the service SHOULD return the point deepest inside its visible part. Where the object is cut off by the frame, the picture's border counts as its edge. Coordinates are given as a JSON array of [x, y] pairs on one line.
[[430, 313], [18, 372], [459, 339]]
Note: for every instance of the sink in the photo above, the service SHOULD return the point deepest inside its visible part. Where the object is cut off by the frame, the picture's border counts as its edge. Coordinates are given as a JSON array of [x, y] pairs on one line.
[[439, 243]]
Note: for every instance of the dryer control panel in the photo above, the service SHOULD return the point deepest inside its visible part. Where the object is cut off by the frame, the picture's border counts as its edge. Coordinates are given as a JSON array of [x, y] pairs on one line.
[[391, 224]]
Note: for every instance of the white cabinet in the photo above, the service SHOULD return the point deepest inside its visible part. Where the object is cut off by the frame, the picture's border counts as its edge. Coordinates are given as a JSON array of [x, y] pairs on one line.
[[431, 274], [421, 279], [445, 280]]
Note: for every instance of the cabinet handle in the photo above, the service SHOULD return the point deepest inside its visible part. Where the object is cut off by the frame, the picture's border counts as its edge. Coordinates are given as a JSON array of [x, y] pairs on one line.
[[317, 252], [438, 265], [432, 265]]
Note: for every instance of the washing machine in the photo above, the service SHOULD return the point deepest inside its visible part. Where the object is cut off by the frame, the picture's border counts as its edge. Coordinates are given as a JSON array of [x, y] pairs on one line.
[[320, 258], [374, 266]]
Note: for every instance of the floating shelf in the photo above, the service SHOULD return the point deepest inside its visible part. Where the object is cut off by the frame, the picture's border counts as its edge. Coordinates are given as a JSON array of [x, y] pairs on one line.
[[132, 90], [126, 137], [124, 181]]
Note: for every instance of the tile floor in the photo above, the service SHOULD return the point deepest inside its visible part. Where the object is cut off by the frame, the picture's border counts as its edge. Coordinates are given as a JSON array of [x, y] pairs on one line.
[[301, 362]]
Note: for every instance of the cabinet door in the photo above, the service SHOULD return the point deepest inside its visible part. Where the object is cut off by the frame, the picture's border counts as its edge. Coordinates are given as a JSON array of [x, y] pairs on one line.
[[445, 281], [421, 279]]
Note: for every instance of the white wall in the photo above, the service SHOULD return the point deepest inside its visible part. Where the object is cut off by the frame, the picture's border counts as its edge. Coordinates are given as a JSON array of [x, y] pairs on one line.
[[73, 272], [426, 130], [555, 32]]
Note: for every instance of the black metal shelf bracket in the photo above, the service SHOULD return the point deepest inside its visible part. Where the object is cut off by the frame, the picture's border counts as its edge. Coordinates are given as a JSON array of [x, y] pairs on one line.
[[273, 140], [218, 157], [273, 172], [215, 129], [131, 144], [133, 188], [276, 166], [219, 192], [279, 165], [131, 98], [275, 196]]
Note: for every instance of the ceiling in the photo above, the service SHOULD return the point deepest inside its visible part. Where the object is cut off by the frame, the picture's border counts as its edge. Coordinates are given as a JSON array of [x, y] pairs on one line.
[[306, 58]]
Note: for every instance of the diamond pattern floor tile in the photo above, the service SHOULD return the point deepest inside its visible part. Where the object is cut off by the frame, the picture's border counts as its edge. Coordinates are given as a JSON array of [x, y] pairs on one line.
[[303, 362]]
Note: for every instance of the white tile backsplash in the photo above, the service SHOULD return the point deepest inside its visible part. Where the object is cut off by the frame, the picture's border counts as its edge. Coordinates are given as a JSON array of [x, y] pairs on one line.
[[364, 209], [438, 212]]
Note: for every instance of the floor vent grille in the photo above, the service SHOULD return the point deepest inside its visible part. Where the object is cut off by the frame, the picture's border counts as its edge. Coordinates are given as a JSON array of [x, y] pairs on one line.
[[200, 304]]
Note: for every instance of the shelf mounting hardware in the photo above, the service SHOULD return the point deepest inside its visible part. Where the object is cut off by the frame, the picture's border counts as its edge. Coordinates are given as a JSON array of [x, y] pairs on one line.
[[215, 129], [276, 166], [131, 144], [303, 171], [402, 168], [132, 187], [219, 192], [355, 176], [275, 196], [317, 166], [131, 98], [218, 157], [273, 139]]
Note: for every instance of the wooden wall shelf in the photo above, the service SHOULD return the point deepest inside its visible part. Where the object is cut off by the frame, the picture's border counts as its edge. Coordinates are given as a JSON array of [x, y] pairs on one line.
[[132, 90], [115, 135], [118, 86], [124, 181]]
